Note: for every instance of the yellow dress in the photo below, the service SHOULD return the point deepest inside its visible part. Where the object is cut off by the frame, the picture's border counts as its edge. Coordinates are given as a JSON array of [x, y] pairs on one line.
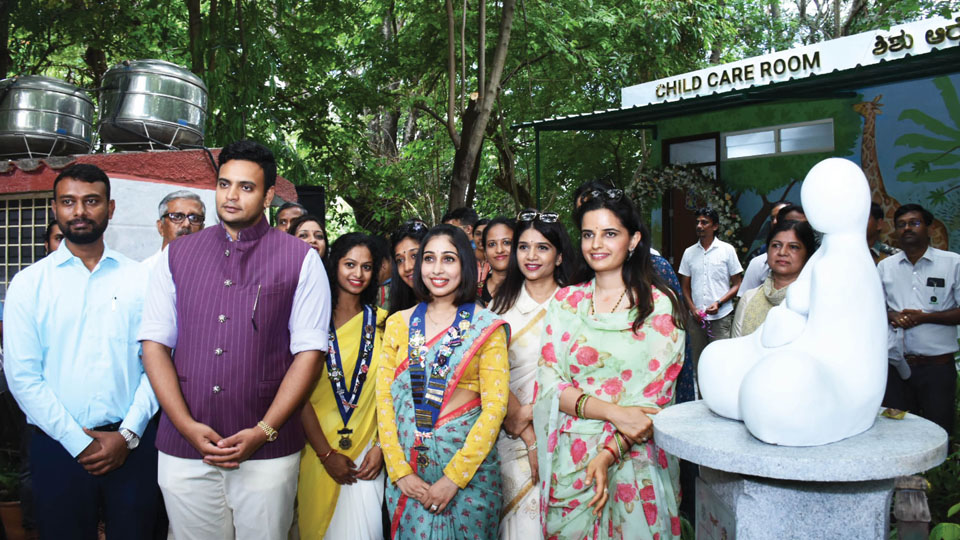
[[317, 492]]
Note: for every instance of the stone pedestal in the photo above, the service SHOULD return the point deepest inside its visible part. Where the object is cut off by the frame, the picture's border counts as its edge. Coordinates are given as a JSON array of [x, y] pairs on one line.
[[754, 490]]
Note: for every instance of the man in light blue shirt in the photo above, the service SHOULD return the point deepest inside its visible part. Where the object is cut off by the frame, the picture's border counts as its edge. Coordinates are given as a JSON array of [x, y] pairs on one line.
[[72, 362]]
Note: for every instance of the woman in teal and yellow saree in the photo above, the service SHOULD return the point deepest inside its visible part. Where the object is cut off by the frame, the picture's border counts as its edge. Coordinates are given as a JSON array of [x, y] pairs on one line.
[[442, 394]]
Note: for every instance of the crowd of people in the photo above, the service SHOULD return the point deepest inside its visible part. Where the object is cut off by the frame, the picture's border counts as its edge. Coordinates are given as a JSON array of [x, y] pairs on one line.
[[474, 379]]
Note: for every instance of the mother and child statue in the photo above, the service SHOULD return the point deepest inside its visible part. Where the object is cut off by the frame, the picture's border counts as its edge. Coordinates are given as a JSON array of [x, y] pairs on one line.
[[815, 371]]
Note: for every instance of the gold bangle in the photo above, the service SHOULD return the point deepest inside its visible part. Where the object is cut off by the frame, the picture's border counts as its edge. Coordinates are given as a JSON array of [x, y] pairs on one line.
[[323, 458]]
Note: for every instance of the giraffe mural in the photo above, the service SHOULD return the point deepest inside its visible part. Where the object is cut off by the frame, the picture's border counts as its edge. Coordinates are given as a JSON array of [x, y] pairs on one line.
[[939, 236]]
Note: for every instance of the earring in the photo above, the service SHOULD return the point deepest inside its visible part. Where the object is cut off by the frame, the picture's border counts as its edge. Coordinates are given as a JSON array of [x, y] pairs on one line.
[[629, 253]]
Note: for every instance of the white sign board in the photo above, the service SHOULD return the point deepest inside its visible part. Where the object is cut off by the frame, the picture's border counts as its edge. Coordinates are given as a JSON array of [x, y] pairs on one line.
[[864, 49]]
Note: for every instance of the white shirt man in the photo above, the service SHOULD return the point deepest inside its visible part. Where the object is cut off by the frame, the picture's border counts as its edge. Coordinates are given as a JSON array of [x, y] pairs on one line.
[[710, 275], [922, 289]]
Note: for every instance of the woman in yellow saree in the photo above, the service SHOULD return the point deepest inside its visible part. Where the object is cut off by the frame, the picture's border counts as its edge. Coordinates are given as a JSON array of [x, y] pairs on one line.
[[341, 470]]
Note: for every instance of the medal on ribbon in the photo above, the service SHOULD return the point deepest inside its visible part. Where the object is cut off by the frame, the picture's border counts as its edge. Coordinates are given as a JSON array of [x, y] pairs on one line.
[[345, 397]]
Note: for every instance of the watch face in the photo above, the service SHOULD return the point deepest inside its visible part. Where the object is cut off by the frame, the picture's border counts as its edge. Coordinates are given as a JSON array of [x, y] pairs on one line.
[[273, 436], [132, 440]]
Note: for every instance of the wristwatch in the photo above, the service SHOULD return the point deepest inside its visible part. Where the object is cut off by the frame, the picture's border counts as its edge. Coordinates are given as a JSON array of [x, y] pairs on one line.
[[132, 439], [269, 431]]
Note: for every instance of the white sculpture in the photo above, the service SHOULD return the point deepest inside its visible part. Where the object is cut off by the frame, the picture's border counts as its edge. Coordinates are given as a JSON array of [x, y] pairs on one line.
[[815, 371]]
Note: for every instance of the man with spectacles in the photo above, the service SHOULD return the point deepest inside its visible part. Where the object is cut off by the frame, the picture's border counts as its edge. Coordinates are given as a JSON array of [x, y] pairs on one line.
[[922, 288], [181, 213]]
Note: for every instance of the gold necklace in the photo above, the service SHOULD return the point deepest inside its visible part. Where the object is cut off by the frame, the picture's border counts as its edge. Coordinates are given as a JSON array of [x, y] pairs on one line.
[[434, 321], [615, 306]]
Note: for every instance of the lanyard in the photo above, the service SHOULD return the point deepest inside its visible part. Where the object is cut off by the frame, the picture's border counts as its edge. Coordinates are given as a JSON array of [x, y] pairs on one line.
[[347, 398], [429, 382]]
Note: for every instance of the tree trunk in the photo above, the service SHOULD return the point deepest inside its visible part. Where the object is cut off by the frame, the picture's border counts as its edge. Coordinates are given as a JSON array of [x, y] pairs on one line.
[[482, 47], [466, 159], [6, 59], [195, 32], [451, 74], [507, 178], [96, 59], [212, 24]]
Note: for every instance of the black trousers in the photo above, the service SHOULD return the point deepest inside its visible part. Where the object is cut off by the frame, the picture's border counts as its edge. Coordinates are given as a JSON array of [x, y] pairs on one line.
[[69, 501], [930, 392]]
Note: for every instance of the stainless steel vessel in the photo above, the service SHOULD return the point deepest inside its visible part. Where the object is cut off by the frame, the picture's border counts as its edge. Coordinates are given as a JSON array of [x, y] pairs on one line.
[[152, 104], [43, 116]]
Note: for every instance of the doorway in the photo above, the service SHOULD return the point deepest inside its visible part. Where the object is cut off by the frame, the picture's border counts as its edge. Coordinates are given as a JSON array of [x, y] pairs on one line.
[[679, 227]]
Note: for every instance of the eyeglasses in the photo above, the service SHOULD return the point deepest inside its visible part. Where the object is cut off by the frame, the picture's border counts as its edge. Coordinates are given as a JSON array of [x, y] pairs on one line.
[[913, 223], [177, 217], [544, 217], [606, 194]]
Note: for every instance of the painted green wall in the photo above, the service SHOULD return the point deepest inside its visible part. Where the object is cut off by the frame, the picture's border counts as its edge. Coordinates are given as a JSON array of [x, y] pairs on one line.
[[763, 175]]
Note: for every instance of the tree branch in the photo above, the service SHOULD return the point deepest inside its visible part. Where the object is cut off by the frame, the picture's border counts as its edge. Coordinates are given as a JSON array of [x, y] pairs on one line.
[[451, 75], [521, 65], [453, 134], [482, 47], [858, 6], [463, 58]]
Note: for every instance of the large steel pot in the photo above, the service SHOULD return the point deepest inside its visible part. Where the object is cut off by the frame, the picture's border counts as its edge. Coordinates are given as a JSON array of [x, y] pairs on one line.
[[152, 104], [43, 116]]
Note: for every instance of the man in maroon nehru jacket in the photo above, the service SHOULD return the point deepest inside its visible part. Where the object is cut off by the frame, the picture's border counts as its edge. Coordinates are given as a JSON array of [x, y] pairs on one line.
[[245, 310]]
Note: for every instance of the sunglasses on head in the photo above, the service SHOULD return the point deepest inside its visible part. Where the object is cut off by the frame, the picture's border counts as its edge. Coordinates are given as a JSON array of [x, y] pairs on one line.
[[544, 217], [606, 194], [415, 225]]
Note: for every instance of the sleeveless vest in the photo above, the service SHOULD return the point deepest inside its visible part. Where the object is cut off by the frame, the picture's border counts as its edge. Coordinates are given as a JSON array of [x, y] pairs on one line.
[[233, 303]]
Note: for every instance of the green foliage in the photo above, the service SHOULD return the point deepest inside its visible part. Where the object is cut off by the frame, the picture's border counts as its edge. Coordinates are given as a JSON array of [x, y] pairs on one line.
[[938, 143], [945, 531], [944, 493], [353, 95]]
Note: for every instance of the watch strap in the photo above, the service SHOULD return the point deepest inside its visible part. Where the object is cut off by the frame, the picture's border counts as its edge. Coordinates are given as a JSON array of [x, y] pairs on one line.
[[132, 439], [269, 431]]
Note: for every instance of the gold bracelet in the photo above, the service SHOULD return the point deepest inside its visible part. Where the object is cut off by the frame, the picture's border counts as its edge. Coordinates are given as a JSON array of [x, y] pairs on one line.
[[323, 458], [269, 431]]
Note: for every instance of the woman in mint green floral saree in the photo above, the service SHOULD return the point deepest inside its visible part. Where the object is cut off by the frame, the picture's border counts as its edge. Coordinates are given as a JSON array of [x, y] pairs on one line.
[[612, 348]]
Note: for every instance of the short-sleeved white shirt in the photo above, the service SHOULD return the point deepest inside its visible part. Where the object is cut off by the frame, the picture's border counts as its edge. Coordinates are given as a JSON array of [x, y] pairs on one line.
[[931, 285], [756, 274], [709, 271]]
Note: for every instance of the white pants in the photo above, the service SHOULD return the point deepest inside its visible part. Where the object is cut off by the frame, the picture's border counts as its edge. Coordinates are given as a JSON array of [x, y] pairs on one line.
[[254, 501]]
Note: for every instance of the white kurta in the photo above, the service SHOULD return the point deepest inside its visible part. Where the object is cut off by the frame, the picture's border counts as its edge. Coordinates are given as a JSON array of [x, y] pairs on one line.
[[521, 499]]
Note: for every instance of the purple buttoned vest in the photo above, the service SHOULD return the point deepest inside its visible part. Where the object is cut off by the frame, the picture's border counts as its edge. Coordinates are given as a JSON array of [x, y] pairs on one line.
[[233, 343]]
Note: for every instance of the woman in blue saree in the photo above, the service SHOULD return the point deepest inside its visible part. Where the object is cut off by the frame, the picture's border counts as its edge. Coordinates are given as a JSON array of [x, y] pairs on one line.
[[442, 392]]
